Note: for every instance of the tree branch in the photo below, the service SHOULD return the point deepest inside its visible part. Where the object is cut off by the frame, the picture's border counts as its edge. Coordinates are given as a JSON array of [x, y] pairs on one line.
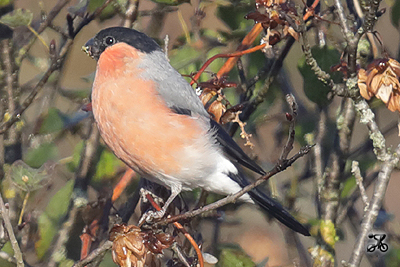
[[11, 235], [94, 254], [374, 206]]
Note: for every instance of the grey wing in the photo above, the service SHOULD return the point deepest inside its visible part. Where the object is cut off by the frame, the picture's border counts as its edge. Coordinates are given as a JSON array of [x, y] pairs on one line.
[[172, 87]]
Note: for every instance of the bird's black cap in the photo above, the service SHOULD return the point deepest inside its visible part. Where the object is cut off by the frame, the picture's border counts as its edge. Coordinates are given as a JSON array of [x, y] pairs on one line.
[[110, 36]]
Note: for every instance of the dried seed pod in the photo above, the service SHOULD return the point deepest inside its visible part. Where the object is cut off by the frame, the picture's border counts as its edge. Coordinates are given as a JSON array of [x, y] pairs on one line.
[[157, 242], [381, 79], [128, 249], [212, 102], [230, 114], [274, 37]]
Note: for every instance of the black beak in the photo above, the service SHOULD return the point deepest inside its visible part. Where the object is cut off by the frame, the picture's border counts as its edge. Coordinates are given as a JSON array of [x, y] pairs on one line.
[[90, 49]]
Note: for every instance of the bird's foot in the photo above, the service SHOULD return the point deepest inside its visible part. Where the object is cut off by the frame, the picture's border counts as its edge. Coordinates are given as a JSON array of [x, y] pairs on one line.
[[151, 216]]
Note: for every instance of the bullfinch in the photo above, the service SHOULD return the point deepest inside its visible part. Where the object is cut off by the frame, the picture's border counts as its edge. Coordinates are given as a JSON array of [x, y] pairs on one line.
[[152, 119]]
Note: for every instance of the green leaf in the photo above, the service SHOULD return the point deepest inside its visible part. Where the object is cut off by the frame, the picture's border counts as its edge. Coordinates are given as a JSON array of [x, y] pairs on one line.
[[49, 220], [314, 89], [29, 179], [184, 56], [392, 258], [233, 15], [109, 11], [75, 157], [59, 203], [108, 166], [53, 122], [395, 13], [38, 156], [234, 257], [107, 260], [348, 187], [4, 3], [47, 230], [67, 263], [19, 17], [7, 249]]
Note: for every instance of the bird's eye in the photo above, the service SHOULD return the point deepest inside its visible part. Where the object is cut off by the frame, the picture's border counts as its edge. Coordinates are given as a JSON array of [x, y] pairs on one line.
[[109, 40]]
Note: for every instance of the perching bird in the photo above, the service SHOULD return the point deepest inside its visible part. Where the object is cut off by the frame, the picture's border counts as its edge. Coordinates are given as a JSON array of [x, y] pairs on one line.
[[152, 119]]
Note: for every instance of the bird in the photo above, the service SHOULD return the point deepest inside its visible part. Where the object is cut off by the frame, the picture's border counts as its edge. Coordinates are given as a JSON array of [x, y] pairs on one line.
[[152, 119]]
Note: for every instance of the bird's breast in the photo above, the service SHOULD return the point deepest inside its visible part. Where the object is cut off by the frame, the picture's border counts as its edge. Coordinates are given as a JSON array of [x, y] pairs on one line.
[[141, 130]]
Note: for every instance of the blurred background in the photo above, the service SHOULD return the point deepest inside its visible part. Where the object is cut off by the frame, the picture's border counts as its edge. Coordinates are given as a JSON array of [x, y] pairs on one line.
[[53, 156]]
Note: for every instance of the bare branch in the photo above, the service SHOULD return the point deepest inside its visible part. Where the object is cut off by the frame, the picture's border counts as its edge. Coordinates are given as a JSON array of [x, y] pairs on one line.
[[355, 170], [368, 117], [131, 13], [11, 235], [64, 233], [55, 65], [94, 254], [374, 206], [292, 119], [46, 23], [5, 256], [342, 214]]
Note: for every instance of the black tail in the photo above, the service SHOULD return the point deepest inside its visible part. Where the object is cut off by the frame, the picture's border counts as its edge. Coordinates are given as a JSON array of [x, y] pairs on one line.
[[271, 206], [275, 209]]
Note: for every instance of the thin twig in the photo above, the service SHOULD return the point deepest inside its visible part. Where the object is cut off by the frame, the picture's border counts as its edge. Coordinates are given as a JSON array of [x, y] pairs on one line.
[[318, 148], [89, 18], [94, 254], [5, 256], [374, 206], [59, 253], [123, 182], [180, 255], [367, 117], [246, 43], [11, 84], [28, 101], [11, 235], [348, 35], [355, 170], [310, 60], [23, 52], [346, 205], [183, 231], [333, 177], [292, 119], [56, 63], [351, 41], [85, 171], [131, 13], [235, 54]]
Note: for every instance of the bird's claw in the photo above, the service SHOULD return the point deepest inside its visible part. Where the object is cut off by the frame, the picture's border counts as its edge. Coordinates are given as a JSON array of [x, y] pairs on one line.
[[151, 216]]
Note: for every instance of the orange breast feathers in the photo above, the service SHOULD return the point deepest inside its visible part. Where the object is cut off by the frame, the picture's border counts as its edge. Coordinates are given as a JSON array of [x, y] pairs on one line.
[[133, 119]]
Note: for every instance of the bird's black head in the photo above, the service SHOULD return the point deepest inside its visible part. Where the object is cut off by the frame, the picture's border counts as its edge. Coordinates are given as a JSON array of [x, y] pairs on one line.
[[110, 36]]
